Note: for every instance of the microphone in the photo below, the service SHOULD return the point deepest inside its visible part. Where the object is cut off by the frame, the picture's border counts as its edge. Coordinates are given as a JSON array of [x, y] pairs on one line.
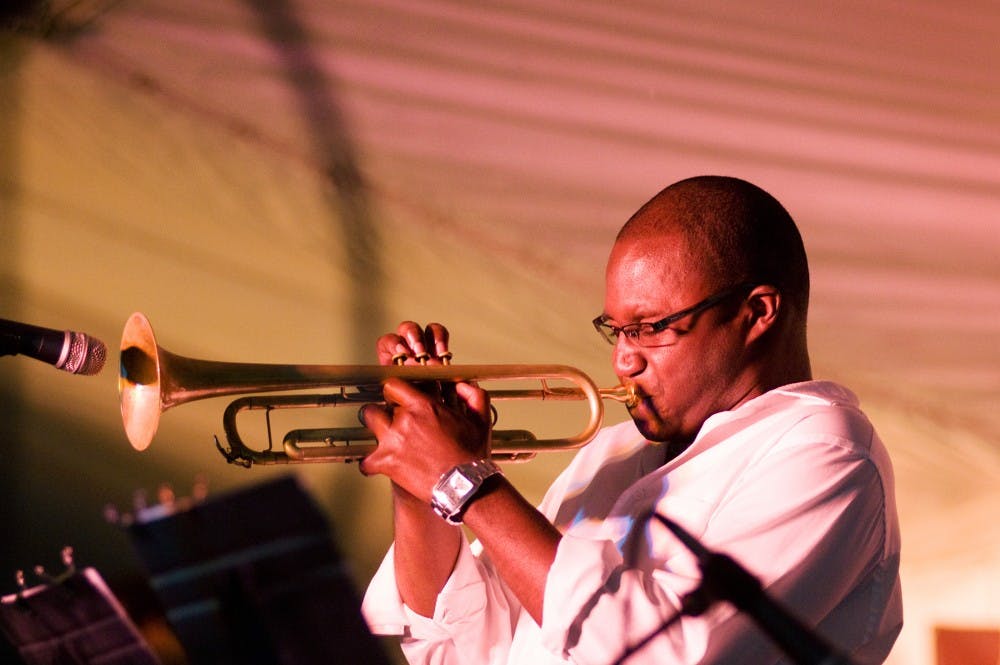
[[724, 579], [70, 351]]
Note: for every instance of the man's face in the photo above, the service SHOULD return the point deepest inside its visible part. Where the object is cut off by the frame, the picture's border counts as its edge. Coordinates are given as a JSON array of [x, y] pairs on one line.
[[700, 373]]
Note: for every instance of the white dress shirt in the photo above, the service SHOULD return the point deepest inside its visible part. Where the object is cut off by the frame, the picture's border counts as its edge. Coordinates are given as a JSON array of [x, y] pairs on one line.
[[795, 485]]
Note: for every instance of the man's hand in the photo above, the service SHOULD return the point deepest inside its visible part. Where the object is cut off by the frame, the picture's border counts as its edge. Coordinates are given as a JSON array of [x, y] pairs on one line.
[[420, 437]]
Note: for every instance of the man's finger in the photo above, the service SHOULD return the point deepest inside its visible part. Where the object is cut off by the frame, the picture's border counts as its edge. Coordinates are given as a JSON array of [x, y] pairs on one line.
[[398, 392], [436, 339], [375, 417], [475, 398], [391, 346], [413, 334]]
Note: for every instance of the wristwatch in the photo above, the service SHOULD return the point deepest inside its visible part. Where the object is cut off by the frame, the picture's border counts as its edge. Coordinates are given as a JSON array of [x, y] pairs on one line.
[[456, 488]]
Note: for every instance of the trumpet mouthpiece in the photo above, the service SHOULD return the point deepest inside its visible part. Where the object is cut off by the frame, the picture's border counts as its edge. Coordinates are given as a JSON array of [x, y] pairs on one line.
[[632, 395], [627, 394]]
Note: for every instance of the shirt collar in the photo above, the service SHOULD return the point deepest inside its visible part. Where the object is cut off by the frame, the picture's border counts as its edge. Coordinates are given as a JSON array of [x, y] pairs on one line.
[[816, 392]]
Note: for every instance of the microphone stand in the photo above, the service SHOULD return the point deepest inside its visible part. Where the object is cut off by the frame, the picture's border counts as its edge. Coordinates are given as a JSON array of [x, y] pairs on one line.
[[722, 578]]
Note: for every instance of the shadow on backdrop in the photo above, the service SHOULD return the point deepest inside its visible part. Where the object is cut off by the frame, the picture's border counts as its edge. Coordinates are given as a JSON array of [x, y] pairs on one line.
[[53, 523], [349, 207]]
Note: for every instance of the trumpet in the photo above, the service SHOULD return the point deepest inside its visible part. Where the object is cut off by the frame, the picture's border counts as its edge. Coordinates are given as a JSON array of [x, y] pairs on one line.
[[152, 380]]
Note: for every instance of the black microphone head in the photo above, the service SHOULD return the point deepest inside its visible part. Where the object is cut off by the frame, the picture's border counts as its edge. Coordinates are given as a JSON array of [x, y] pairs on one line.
[[86, 355]]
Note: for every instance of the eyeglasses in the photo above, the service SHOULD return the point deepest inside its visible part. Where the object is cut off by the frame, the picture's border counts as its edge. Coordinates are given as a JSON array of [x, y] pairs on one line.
[[659, 333]]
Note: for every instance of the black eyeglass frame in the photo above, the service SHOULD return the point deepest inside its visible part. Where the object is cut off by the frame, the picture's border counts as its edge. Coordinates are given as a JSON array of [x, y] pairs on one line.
[[631, 330]]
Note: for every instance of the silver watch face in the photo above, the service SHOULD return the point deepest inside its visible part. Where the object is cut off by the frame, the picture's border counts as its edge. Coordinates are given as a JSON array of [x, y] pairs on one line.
[[455, 488], [451, 491], [458, 485]]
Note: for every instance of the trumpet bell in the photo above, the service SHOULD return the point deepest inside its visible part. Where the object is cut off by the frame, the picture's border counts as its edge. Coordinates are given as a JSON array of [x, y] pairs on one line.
[[139, 382]]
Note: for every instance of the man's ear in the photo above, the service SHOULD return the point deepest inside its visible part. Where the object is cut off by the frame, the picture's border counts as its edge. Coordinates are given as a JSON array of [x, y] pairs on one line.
[[763, 304]]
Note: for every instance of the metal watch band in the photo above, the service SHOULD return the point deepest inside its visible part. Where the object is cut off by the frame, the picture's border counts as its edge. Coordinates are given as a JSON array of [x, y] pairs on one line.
[[456, 488]]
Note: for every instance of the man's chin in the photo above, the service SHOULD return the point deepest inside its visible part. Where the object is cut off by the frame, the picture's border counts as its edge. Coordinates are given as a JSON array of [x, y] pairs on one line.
[[656, 429], [674, 444], [651, 431]]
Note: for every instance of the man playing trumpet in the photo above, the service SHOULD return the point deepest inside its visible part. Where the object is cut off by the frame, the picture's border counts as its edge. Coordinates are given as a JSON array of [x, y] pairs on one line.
[[707, 289]]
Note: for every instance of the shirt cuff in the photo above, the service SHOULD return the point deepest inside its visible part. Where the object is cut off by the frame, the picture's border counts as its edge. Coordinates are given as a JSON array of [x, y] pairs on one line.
[[461, 601], [382, 607]]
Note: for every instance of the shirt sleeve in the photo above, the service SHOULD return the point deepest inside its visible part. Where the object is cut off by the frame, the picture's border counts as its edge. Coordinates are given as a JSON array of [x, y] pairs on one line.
[[473, 616]]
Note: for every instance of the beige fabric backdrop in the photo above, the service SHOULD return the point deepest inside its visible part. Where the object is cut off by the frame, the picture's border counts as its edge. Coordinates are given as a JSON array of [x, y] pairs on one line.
[[281, 182]]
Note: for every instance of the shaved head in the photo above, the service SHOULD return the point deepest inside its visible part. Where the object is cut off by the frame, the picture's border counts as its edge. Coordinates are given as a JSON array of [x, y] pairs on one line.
[[733, 232]]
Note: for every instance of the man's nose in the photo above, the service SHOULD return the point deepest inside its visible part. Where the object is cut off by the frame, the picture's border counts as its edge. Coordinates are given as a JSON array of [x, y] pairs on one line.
[[627, 358]]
